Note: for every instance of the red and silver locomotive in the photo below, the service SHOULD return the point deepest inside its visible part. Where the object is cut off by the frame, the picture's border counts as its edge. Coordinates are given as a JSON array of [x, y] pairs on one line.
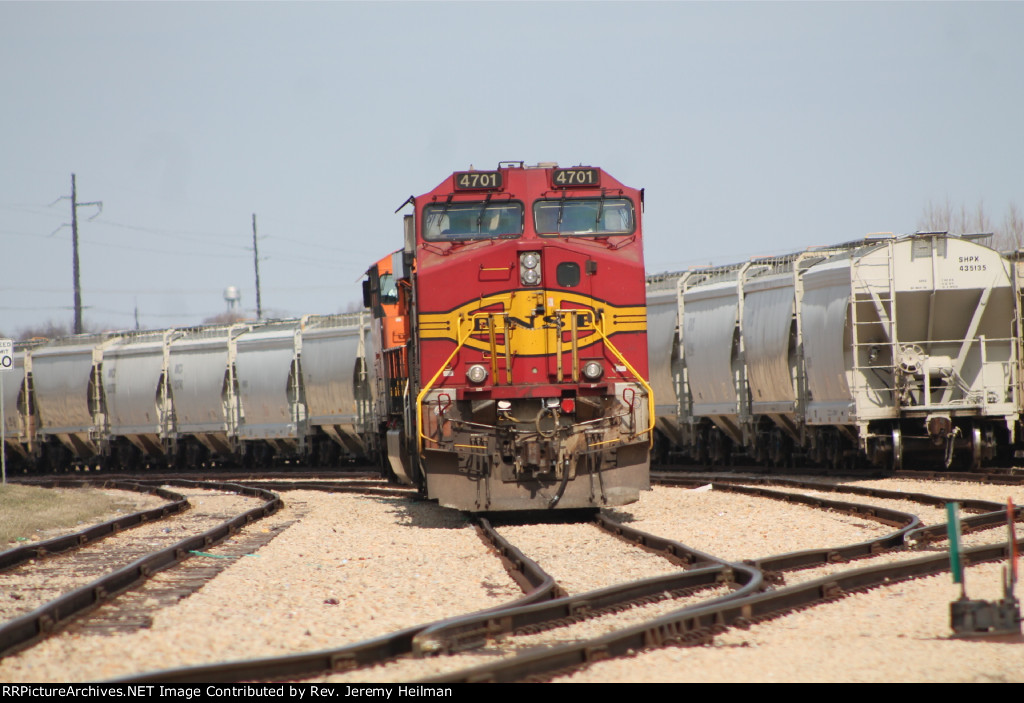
[[511, 341]]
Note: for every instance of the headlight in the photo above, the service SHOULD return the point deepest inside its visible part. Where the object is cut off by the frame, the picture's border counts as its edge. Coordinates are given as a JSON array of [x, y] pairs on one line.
[[592, 370], [476, 373], [529, 268]]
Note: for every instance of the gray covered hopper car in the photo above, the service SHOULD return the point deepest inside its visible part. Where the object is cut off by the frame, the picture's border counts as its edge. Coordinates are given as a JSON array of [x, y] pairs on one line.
[[870, 352], [249, 394]]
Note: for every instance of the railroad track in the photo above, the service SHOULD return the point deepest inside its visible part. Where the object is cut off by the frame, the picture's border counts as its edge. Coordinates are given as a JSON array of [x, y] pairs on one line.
[[135, 609], [1006, 475], [356, 473], [537, 640], [701, 596], [699, 623], [51, 583]]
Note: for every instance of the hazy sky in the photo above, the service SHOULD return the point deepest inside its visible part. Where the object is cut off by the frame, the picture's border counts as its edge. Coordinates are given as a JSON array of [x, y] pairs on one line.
[[756, 128]]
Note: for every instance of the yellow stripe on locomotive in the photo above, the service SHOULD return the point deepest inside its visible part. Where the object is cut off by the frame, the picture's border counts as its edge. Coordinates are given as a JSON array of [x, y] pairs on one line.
[[529, 321]]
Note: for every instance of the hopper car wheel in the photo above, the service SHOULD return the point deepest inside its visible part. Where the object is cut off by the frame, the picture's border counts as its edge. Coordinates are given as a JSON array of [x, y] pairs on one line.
[[977, 448], [833, 450], [57, 457], [702, 448], [781, 451], [264, 455], [897, 449], [760, 451], [719, 449], [130, 458], [329, 453], [195, 455]]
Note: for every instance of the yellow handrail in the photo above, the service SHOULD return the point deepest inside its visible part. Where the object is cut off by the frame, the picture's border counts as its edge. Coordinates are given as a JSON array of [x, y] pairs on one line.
[[650, 392], [492, 338], [419, 397], [462, 341]]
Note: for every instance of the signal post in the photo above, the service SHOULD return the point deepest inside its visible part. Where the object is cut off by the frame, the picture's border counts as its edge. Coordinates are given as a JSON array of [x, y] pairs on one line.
[[6, 364]]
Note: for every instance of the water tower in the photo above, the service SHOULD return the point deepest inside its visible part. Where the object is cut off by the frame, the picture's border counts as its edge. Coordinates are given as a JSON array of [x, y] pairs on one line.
[[232, 296]]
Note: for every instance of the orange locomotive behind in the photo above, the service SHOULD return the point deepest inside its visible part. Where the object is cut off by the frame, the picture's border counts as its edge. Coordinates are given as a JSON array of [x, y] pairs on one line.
[[511, 342]]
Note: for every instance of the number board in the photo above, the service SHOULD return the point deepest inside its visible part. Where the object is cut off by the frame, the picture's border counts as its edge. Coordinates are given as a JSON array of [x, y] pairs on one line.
[[570, 177], [477, 180], [6, 354]]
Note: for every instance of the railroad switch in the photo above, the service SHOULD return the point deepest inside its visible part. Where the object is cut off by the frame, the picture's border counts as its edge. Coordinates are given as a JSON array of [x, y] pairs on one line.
[[980, 618]]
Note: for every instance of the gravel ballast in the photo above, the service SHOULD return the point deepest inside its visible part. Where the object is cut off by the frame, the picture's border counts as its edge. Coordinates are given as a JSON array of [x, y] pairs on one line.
[[899, 633], [348, 568]]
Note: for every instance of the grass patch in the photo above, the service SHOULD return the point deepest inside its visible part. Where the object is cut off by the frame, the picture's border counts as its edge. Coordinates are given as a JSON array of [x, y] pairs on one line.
[[30, 513]]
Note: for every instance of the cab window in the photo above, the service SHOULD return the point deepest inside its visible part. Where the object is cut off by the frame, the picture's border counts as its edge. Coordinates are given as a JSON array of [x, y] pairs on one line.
[[388, 289], [584, 217], [474, 220]]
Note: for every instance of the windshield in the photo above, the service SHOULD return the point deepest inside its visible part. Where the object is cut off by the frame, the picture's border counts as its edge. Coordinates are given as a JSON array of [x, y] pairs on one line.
[[584, 216], [388, 289], [480, 220]]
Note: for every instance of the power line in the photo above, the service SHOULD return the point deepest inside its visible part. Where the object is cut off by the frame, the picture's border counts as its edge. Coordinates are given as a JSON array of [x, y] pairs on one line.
[[203, 237]]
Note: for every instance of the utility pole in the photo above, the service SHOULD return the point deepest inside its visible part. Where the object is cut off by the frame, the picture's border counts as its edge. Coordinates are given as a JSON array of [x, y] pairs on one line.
[[74, 249], [256, 262]]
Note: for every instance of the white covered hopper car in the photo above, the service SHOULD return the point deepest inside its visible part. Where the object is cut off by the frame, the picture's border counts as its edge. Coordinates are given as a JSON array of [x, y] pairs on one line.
[[249, 393], [877, 352]]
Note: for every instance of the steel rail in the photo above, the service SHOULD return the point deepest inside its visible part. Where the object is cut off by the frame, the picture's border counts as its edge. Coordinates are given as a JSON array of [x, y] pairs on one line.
[[668, 548], [75, 540], [382, 490], [1010, 476], [869, 491], [936, 533], [809, 558], [465, 632], [223, 474], [992, 514], [1006, 479], [41, 622], [895, 518], [536, 583], [698, 624], [475, 630]]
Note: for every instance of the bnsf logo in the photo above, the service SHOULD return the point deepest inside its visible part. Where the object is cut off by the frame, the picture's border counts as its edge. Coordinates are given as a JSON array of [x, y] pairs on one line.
[[482, 323]]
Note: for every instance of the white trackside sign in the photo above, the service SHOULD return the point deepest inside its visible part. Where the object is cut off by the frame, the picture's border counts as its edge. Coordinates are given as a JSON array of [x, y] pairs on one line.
[[6, 354]]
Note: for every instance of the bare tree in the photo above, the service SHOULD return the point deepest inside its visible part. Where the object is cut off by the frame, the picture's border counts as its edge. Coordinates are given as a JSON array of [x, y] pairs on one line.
[[49, 330], [225, 318], [936, 217], [943, 217], [1012, 234]]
